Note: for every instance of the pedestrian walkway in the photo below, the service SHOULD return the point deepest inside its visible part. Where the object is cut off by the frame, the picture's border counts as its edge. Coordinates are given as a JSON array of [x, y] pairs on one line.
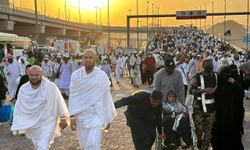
[[117, 138]]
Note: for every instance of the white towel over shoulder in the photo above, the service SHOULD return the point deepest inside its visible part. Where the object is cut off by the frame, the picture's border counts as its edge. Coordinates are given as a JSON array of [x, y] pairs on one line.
[[38, 107], [91, 90]]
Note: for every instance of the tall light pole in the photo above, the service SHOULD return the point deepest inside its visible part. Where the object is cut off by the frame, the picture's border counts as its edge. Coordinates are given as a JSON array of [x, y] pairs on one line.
[[79, 10], [96, 9], [41, 10], [44, 7], [137, 23], [13, 4], [140, 24], [65, 10], [225, 25], [58, 15], [147, 19], [213, 17], [196, 20], [205, 27], [37, 28], [68, 14], [158, 17], [100, 16], [152, 14], [200, 19], [191, 20], [155, 19], [129, 12], [247, 23], [108, 26]]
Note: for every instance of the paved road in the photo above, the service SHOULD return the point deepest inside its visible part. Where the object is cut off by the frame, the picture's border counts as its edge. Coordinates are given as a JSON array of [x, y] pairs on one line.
[[118, 137]]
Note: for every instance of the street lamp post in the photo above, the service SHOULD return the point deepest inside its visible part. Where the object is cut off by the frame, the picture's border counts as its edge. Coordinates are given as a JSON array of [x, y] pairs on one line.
[[44, 7], [147, 19], [158, 17], [213, 17], [37, 28], [200, 19], [205, 19], [108, 25], [129, 12], [41, 10], [152, 14], [65, 10], [137, 25], [96, 8], [247, 23], [225, 25], [155, 20], [79, 10], [100, 10], [140, 24], [196, 20], [13, 4]]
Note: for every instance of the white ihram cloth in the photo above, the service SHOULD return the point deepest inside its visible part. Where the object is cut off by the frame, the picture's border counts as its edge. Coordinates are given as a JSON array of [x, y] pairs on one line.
[[12, 71], [91, 102], [37, 113]]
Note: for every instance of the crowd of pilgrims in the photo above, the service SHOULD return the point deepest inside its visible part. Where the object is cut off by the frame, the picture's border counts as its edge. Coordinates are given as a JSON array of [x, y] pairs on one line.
[[188, 48]]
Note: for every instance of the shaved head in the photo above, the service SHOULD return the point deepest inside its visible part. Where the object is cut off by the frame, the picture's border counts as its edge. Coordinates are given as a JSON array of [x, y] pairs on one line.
[[35, 75], [89, 51], [36, 68], [89, 59]]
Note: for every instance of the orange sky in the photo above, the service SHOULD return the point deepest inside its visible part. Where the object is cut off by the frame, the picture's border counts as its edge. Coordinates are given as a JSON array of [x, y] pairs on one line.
[[119, 9]]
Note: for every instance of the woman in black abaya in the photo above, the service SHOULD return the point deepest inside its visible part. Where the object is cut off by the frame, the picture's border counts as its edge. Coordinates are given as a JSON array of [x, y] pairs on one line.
[[229, 95]]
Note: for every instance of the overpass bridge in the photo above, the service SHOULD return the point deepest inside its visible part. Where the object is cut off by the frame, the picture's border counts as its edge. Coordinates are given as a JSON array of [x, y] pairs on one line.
[[23, 22]]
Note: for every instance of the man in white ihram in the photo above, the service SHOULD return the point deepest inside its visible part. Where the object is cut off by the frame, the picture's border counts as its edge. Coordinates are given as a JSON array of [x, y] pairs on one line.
[[90, 103], [39, 109]]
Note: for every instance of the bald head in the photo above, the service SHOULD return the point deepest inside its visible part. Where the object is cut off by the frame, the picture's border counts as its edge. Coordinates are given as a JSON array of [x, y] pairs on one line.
[[89, 51], [35, 75], [36, 68], [89, 59]]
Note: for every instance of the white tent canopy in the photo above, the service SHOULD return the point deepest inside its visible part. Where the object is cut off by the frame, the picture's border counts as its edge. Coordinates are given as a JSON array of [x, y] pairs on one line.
[[15, 40]]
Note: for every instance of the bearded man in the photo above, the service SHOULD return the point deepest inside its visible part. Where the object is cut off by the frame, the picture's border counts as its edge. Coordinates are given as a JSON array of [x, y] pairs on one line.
[[90, 102], [203, 86], [38, 110], [168, 78]]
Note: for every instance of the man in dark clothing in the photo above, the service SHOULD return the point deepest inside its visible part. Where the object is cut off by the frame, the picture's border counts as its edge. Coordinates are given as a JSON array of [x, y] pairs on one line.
[[229, 95], [143, 117], [23, 80], [202, 87]]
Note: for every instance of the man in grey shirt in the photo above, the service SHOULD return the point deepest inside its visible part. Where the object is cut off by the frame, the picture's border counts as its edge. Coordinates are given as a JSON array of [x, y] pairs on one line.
[[168, 78]]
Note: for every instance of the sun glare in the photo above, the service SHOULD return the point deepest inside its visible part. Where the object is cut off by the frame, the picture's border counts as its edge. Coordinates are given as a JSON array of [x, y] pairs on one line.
[[90, 5]]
